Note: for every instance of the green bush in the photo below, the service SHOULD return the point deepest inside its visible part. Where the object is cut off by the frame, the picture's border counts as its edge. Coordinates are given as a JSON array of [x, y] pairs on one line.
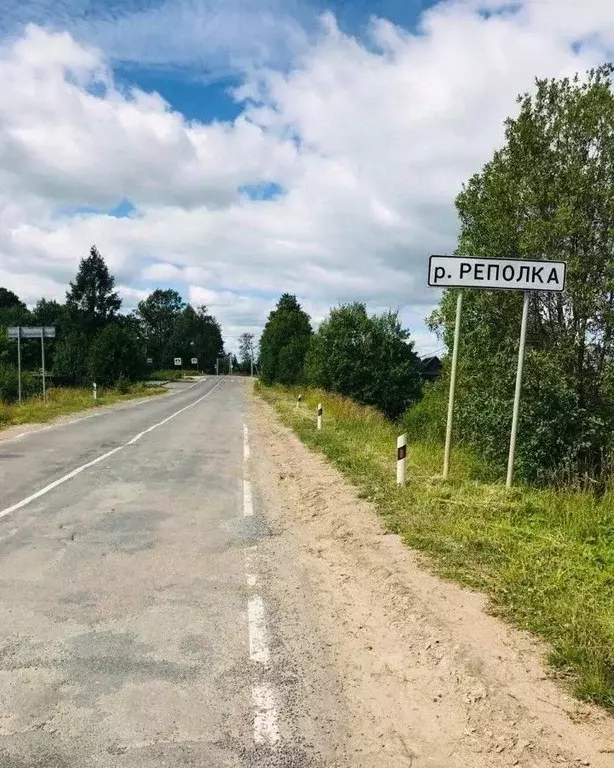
[[166, 375], [122, 384], [114, 353], [367, 358], [9, 384], [426, 419]]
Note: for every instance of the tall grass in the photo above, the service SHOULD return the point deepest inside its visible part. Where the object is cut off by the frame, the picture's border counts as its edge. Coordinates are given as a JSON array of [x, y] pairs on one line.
[[62, 401], [545, 557]]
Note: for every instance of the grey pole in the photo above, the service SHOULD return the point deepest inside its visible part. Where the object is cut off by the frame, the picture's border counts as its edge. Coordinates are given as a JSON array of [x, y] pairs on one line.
[[521, 348], [446, 453], [43, 361], [19, 362]]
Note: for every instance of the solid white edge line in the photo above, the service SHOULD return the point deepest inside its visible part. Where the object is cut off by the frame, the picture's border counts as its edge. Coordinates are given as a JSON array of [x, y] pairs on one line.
[[266, 729], [75, 472], [256, 623], [248, 504]]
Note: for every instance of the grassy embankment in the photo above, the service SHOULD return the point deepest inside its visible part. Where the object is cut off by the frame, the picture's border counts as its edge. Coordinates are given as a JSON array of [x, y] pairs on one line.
[[63, 401], [545, 557]]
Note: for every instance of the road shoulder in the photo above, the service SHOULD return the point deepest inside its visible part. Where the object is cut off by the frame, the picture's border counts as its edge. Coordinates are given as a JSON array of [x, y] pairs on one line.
[[429, 677]]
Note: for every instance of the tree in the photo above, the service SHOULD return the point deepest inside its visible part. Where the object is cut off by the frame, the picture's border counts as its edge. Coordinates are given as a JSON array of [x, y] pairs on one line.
[[10, 300], [246, 351], [158, 314], [91, 299], [197, 334], [70, 358], [284, 342], [547, 194], [116, 354], [369, 359]]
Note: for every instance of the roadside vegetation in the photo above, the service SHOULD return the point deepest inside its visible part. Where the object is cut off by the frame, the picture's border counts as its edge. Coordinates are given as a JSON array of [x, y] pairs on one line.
[[96, 342], [544, 556], [543, 551], [62, 401]]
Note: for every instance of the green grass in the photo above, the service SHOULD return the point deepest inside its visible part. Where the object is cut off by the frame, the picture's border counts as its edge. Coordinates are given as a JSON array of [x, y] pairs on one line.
[[173, 374], [545, 558], [62, 401]]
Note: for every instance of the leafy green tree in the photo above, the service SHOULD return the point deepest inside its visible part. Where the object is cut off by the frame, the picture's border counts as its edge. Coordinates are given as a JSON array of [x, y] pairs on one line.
[[284, 342], [48, 312], [70, 359], [369, 359], [158, 315], [195, 333], [547, 194], [12, 310], [246, 351], [115, 355], [91, 298], [10, 300]]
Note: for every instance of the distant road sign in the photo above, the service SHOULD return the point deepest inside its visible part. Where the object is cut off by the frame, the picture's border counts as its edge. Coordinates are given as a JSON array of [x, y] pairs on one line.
[[149, 360], [496, 274], [194, 361], [32, 332], [177, 361]]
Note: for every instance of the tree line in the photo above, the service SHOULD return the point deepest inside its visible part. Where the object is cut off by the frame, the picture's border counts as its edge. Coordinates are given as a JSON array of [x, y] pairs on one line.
[[96, 342], [547, 194], [369, 358]]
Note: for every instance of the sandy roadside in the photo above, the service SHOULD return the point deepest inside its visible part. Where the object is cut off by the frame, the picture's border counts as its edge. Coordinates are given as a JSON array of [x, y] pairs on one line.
[[429, 678]]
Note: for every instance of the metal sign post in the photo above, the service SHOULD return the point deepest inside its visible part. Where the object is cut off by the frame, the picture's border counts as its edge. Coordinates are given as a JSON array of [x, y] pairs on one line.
[[19, 362], [446, 453], [31, 332], [493, 274], [521, 348], [43, 362]]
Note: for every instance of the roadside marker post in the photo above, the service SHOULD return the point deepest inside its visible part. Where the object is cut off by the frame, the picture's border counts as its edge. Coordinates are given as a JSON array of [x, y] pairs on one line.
[[298, 402], [401, 459], [319, 415], [493, 274], [95, 391]]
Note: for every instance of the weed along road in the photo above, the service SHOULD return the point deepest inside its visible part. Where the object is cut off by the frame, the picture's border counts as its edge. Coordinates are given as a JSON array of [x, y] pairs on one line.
[[183, 584]]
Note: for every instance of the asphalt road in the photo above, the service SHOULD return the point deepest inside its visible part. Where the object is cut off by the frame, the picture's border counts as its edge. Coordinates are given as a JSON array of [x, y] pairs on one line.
[[134, 630]]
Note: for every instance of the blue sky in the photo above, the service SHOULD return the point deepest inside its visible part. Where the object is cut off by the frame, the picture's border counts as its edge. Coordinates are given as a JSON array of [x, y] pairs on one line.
[[309, 146]]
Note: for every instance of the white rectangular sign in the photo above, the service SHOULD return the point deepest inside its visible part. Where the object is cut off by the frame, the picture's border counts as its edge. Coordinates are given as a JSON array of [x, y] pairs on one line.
[[32, 332], [177, 361], [194, 361], [496, 274]]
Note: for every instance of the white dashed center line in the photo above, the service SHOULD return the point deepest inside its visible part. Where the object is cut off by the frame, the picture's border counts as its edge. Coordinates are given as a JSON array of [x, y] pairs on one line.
[[266, 727]]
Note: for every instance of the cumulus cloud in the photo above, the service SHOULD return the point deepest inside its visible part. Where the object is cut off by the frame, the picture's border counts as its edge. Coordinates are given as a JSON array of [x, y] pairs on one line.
[[369, 140]]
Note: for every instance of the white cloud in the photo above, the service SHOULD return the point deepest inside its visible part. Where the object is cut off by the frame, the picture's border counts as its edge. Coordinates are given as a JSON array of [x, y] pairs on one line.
[[370, 140]]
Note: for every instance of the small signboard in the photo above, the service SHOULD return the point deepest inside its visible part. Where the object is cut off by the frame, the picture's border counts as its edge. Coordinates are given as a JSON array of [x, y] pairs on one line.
[[32, 332], [496, 274], [150, 361], [194, 361], [177, 361]]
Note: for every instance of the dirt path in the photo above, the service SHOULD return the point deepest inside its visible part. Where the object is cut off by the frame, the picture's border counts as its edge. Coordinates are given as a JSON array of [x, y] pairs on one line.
[[429, 679]]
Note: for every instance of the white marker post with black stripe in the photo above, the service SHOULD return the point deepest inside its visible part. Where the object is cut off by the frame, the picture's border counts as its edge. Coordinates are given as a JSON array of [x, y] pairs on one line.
[[95, 391], [401, 459], [319, 415], [298, 402]]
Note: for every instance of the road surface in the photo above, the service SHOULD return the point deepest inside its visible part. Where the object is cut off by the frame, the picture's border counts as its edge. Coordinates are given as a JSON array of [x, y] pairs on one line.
[[182, 584], [134, 631]]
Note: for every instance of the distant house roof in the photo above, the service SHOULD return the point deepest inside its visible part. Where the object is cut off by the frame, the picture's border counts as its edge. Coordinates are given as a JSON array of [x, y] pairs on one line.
[[430, 367]]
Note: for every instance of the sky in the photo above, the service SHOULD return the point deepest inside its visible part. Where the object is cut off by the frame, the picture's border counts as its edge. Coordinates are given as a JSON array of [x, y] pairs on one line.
[[240, 149]]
